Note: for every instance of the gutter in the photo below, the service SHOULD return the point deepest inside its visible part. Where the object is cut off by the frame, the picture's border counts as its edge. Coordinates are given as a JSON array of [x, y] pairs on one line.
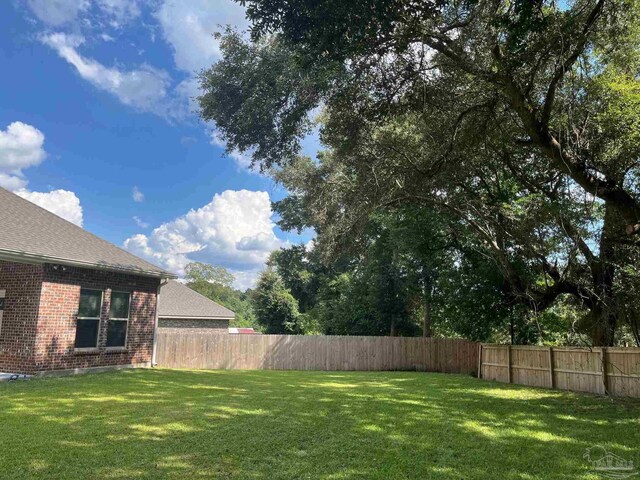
[[163, 281], [22, 257]]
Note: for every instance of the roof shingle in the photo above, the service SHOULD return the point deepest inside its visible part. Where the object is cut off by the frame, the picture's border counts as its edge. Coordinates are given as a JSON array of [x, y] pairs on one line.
[[31, 233], [179, 301]]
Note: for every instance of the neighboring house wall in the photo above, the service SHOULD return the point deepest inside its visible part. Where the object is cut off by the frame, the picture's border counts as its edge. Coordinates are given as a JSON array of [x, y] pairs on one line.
[[41, 308], [20, 317], [193, 325]]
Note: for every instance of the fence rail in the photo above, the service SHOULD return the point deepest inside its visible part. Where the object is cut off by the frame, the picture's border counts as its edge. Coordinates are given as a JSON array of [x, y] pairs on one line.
[[296, 352], [615, 371]]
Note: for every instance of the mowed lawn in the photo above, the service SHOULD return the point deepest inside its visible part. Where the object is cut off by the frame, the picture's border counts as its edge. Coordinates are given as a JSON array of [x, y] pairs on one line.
[[332, 425]]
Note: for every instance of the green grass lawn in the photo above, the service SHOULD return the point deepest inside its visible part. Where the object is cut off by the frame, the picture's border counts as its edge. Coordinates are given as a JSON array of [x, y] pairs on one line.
[[331, 425]]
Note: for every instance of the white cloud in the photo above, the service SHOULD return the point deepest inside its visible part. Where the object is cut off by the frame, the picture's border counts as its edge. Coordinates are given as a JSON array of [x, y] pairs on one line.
[[188, 27], [245, 279], [22, 146], [57, 12], [145, 87], [140, 222], [310, 245], [12, 182], [137, 195], [243, 160], [63, 203], [120, 11], [235, 230]]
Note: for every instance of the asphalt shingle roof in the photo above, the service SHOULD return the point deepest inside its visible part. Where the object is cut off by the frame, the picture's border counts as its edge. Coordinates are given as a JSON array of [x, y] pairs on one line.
[[179, 301], [31, 233]]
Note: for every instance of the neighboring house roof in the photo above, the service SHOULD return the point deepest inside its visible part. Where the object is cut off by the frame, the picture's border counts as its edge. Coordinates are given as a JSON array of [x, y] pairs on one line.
[[32, 234], [179, 301]]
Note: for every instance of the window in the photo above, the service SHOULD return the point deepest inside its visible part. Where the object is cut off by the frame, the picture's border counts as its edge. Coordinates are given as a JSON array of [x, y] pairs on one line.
[[118, 319], [88, 323]]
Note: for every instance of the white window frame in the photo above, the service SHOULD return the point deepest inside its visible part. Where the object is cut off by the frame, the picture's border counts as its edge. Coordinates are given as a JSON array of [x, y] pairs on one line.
[[126, 333], [99, 318]]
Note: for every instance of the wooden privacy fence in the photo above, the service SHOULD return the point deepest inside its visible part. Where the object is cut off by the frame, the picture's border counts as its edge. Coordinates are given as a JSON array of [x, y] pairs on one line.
[[615, 371], [315, 352]]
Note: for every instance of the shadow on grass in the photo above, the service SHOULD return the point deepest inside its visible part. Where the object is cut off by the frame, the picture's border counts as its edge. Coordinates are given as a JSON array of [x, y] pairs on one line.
[[270, 425]]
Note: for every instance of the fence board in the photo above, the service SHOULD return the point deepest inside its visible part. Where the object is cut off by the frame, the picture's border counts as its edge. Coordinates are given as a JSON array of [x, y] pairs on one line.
[[202, 350], [565, 368]]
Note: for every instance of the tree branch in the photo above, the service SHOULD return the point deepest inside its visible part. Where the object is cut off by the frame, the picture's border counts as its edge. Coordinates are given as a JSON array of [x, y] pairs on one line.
[[570, 60]]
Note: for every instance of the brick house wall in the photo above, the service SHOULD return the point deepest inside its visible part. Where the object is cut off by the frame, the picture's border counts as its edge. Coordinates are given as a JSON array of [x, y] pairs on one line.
[[46, 311], [219, 326], [23, 284]]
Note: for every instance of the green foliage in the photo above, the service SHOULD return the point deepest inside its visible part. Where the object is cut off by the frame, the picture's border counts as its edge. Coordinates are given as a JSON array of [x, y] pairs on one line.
[[515, 123], [197, 272], [276, 309], [214, 282]]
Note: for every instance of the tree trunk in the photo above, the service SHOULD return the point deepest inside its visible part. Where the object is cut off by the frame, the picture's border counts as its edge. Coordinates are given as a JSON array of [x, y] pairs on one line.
[[426, 320], [394, 327], [603, 315]]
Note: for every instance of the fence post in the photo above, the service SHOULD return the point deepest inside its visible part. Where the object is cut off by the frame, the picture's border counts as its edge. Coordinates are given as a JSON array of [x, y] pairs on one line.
[[479, 360], [509, 363], [603, 369], [551, 379]]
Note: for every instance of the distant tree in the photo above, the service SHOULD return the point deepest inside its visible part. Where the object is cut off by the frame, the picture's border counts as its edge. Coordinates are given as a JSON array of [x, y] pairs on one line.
[[215, 283], [276, 309], [202, 272]]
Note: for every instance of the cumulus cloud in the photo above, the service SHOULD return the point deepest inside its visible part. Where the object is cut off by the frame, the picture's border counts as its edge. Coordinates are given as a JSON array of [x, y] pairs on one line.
[[189, 26], [63, 203], [145, 88], [245, 279], [22, 146], [234, 230], [137, 195]]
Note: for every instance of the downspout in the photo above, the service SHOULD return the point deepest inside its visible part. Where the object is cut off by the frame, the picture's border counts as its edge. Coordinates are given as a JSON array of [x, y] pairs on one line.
[[155, 325]]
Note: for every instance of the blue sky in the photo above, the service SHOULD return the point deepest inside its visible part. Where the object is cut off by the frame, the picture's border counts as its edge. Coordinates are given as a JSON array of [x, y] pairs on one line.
[[97, 126]]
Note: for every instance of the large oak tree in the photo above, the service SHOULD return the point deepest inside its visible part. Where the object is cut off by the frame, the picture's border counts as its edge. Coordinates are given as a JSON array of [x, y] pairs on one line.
[[521, 119]]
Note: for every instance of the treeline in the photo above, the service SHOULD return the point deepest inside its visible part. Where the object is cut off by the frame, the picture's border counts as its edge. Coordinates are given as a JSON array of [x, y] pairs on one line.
[[407, 277]]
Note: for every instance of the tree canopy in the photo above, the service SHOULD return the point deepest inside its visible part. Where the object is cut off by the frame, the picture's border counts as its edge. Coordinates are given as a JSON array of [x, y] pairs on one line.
[[516, 123]]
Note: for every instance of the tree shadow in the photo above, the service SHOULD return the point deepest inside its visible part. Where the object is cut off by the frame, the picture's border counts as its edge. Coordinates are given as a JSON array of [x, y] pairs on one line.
[[279, 424]]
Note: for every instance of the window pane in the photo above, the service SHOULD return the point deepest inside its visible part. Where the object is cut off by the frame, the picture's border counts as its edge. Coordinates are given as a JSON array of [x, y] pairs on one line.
[[90, 303], [116, 333], [119, 305], [87, 333]]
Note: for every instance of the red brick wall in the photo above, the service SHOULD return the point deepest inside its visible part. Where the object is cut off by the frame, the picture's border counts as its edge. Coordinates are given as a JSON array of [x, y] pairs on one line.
[[54, 345], [41, 307], [20, 319]]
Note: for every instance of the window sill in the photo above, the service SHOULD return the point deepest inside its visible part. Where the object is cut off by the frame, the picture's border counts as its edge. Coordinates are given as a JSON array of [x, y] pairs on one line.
[[115, 349], [86, 351]]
